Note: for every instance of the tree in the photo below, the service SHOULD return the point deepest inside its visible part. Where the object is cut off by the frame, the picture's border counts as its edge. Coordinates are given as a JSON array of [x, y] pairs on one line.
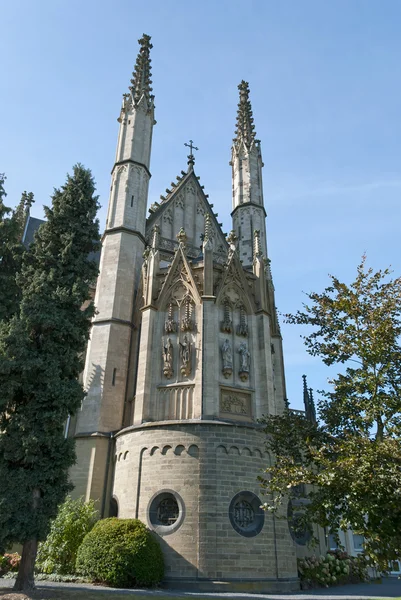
[[11, 250], [351, 462], [41, 353]]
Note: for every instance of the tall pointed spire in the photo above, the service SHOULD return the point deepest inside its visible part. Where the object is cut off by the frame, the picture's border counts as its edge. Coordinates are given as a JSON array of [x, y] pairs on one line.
[[245, 128], [309, 403], [141, 77]]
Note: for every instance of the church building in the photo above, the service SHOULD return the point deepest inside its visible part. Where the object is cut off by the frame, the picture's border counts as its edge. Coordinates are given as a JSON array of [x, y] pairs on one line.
[[185, 356]]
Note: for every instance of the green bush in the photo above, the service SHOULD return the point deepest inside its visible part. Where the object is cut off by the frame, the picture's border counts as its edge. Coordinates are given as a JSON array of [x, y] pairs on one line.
[[58, 553], [122, 553], [335, 568], [4, 566]]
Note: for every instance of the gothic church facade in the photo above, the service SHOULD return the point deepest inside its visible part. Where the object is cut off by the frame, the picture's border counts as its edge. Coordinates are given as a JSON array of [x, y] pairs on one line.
[[185, 356]]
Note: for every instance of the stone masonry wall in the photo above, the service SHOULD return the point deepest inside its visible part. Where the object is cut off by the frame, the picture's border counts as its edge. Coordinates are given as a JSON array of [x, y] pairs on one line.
[[207, 464]]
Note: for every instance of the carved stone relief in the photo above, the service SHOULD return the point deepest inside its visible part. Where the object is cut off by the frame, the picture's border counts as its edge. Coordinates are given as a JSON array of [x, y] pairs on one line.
[[235, 404]]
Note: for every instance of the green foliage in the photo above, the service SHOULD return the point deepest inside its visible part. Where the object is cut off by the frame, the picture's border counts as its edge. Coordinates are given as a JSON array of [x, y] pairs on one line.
[[333, 569], [122, 553], [351, 463], [58, 553], [41, 351], [11, 250]]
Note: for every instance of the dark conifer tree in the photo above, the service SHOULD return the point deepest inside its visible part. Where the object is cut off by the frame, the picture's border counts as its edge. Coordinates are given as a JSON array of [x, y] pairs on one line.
[[41, 354], [12, 224]]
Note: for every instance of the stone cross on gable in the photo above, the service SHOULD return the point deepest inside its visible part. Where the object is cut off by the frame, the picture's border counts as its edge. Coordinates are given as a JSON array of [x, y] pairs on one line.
[[191, 158], [191, 146]]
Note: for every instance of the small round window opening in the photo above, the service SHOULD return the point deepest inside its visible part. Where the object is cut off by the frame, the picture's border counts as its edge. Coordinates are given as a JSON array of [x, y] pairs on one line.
[[166, 512], [246, 515]]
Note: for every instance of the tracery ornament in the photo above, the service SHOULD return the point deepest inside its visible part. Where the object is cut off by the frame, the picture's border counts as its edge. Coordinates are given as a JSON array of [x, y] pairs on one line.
[[168, 358], [242, 327], [187, 323], [245, 359], [185, 355], [227, 356], [226, 325], [170, 326], [244, 515]]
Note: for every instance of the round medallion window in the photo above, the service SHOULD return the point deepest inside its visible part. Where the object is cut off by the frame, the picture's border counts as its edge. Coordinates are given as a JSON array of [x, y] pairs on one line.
[[246, 515], [165, 512], [299, 531]]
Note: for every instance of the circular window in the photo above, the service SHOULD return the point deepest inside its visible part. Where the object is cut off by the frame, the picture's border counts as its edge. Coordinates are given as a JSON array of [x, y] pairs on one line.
[[166, 512], [246, 515], [299, 530]]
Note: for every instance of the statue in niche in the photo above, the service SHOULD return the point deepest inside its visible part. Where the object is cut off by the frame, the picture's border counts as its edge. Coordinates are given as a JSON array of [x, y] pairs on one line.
[[226, 325], [227, 356], [168, 359], [187, 323], [170, 326], [242, 327], [245, 359], [185, 353]]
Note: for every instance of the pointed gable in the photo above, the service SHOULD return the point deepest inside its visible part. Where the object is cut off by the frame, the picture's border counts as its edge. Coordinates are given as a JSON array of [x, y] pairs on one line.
[[179, 278], [185, 207], [234, 277]]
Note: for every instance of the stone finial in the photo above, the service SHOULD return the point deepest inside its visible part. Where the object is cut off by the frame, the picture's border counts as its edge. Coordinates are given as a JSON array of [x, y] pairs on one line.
[[245, 128], [182, 238], [208, 228], [232, 239], [257, 249], [141, 77], [155, 237]]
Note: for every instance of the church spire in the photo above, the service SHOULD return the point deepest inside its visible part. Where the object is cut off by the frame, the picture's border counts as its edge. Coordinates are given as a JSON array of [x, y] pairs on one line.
[[245, 128], [246, 162], [141, 77]]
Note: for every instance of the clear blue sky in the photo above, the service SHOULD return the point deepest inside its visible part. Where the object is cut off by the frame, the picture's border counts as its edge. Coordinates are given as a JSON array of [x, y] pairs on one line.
[[326, 94]]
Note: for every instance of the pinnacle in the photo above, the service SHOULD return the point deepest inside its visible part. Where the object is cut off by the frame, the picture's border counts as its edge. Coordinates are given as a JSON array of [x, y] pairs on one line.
[[141, 77], [245, 128]]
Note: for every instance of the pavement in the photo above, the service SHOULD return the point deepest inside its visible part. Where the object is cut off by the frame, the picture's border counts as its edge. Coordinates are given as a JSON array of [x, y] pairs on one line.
[[388, 588]]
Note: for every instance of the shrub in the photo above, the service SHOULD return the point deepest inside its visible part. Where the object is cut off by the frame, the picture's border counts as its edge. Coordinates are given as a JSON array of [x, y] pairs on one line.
[[14, 560], [4, 566], [58, 553], [335, 568], [122, 553]]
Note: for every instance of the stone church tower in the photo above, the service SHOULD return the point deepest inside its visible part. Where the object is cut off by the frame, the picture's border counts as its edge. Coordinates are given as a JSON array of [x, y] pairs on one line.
[[185, 356]]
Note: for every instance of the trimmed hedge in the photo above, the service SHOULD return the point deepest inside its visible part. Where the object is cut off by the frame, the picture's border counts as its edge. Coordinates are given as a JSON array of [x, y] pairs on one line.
[[122, 553]]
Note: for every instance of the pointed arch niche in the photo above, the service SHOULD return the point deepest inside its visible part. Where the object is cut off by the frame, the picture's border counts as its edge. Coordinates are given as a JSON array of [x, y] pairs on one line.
[[234, 337]]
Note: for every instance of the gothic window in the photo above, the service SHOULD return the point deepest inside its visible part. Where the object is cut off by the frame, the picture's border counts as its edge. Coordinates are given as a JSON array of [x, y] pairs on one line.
[[246, 515], [166, 512]]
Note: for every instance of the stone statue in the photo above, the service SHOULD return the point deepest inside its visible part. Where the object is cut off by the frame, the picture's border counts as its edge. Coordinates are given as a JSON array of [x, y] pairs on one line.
[[185, 352], [245, 359], [168, 359], [227, 356]]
